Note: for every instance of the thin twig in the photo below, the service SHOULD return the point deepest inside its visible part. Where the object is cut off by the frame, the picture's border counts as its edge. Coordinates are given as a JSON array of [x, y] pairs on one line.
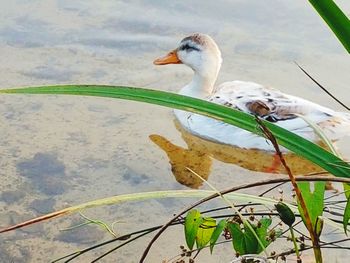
[[324, 245], [123, 237], [323, 88], [121, 245]]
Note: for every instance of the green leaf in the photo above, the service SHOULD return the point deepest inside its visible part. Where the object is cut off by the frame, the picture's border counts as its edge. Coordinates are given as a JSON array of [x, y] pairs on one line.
[[286, 214], [244, 242], [216, 234], [293, 142], [346, 216], [192, 222], [238, 238], [314, 200], [205, 232], [335, 19], [262, 231]]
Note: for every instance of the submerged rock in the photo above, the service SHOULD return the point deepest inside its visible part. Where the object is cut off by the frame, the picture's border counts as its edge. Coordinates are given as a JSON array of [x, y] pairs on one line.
[[43, 206], [42, 164], [11, 196], [46, 172]]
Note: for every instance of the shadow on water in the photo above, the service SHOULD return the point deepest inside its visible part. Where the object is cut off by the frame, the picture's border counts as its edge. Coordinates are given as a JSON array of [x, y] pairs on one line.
[[200, 153]]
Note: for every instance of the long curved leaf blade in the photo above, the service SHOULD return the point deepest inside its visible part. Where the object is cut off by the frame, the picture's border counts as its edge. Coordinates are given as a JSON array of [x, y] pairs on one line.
[[291, 141], [335, 18], [117, 199]]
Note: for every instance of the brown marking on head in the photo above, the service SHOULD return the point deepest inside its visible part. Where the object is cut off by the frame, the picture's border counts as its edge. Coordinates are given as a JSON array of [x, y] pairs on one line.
[[196, 38]]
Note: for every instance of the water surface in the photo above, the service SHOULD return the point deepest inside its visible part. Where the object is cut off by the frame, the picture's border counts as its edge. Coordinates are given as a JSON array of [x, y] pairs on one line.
[[58, 151]]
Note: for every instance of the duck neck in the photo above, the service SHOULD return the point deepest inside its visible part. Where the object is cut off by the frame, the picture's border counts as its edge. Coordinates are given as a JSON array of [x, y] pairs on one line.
[[202, 84]]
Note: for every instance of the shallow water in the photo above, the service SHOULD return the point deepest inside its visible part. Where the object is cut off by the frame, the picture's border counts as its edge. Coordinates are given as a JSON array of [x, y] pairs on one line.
[[59, 151]]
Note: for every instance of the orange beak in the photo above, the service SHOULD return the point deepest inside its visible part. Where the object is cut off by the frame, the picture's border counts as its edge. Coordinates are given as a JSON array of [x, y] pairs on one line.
[[170, 58]]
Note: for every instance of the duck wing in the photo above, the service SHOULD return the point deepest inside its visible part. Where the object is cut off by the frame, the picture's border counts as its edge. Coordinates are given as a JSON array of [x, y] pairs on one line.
[[284, 110]]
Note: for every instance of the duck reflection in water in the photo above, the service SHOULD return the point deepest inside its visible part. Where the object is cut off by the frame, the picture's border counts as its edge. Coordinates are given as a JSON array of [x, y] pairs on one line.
[[199, 155]]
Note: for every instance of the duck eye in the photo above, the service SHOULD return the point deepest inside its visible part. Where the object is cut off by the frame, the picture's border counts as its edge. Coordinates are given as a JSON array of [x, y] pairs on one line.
[[188, 48]]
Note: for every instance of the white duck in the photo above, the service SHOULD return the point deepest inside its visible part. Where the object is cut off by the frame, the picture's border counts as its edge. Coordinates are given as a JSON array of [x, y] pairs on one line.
[[200, 52]]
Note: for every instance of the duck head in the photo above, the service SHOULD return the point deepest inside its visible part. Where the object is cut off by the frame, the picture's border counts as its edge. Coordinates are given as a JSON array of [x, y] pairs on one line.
[[202, 55]]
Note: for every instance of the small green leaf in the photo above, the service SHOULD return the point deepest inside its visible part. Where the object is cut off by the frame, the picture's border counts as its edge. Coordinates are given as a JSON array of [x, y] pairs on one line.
[[265, 222], [286, 214], [346, 217], [216, 234], [205, 232], [314, 200], [237, 237], [252, 244], [262, 233], [244, 242], [192, 222]]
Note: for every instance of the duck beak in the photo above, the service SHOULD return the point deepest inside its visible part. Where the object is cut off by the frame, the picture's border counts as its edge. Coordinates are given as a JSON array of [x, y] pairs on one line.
[[170, 58]]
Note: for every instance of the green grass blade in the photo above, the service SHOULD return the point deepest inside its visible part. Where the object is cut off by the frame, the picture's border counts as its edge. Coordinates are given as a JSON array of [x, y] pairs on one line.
[[117, 199], [291, 141], [335, 18]]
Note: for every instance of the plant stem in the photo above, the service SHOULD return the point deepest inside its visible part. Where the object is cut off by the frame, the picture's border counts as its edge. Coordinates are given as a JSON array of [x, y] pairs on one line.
[[307, 221], [294, 242]]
